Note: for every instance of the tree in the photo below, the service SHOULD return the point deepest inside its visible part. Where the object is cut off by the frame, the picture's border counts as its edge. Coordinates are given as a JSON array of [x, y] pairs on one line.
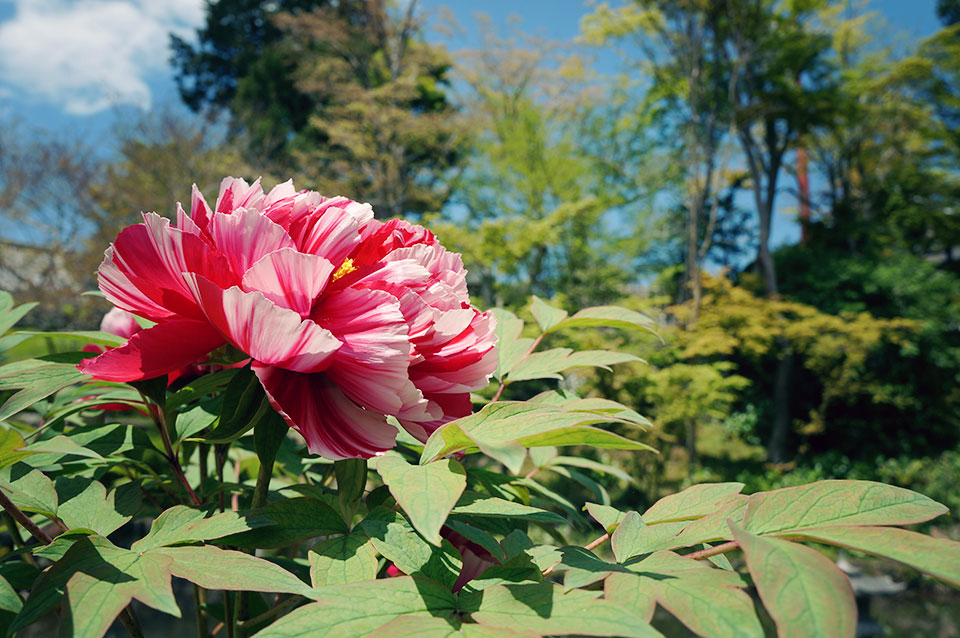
[[532, 208], [687, 99], [345, 96]]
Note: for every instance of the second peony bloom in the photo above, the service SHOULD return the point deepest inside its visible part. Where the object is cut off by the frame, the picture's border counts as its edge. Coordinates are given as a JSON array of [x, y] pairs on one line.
[[346, 319]]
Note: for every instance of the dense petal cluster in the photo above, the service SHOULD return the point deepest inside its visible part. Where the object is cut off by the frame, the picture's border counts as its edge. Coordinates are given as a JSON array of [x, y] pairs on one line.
[[347, 319]]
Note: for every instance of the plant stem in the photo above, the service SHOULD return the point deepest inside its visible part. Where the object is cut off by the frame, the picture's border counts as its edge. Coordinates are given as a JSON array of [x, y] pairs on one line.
[[228, 614], [199, 600], [263, 484], [597, 543], [130, 623], [24, 520], [723, 548], [160, 421]]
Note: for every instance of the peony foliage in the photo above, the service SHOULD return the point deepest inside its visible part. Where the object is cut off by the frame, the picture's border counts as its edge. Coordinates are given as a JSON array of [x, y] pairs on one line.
[[289, 410]]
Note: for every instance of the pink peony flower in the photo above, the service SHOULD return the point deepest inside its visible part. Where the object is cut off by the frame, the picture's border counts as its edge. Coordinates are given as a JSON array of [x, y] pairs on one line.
[[347, 319]]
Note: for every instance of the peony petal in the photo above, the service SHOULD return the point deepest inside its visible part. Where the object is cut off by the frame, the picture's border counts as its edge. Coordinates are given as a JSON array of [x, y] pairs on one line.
[[379, 239], [371, 367], [235, 193], [270, 334], [200, 211], [156, 351], [143, 271], [329, 231], [246, 236], [334, 426], [289, 278], [450, 406], [119, 322]]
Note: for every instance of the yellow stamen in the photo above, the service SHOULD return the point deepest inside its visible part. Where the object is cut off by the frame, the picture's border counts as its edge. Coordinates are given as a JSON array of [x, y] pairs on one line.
[[346, 268]]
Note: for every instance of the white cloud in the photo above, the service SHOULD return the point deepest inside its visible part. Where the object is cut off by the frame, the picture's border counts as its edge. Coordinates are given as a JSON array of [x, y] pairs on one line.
[[87, 55]]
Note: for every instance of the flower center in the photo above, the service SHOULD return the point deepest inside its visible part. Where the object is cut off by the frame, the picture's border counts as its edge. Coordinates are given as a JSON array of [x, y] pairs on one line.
[[346, 268]]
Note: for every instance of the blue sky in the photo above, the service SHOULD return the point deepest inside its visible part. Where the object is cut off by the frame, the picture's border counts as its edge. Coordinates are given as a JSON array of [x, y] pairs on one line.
[[75, 66]]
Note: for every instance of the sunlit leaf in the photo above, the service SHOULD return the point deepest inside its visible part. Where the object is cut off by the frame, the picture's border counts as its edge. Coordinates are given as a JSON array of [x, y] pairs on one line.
[[426, 493], [937, 557], [348, 611], [694, 502], [607, 317], [342, 560], [214, 568], [805, 592], [837, 503], [546, 315]]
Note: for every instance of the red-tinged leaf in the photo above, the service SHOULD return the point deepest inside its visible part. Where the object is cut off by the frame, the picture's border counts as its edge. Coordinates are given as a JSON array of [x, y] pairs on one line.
[[937, 557], [214, 568], [829, 503], [694, 502], [806, 594]]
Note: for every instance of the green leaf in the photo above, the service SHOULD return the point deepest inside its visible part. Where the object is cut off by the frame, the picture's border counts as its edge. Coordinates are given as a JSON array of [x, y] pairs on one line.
[[351, 480], [546, 315], [99, 580], [510, 345], [348, 611], [57, 449], [29, 489], [475, 504], [201, 387], [519, 569], [607, 317], [837, 503], [82, 336], [694, 502], [587, 464], [10, 444], [626, 541], [85, 504], [426, 493], [712, 527], [182, 524], [549, 363], [607, 516], [520, 423], [10, 314], [622, 590], [196, 419], [707, 600], [244, 404], [10, 605], [214, 568], [294, 520], [342, 560], [37, 383], [937, 557], [544, 608], [395, 539], [806, 594]]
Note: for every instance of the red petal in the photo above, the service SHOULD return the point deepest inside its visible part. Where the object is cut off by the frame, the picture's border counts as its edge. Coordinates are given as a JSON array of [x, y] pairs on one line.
[[156, 351]]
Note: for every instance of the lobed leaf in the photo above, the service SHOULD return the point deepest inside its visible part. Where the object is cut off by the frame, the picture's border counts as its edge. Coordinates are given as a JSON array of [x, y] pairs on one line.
[[342, 560], [544, 608], [214, 568], [347, 611], [546, 315]]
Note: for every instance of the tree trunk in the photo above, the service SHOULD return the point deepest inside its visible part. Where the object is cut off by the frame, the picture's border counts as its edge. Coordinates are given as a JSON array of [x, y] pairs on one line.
[[777, 448]]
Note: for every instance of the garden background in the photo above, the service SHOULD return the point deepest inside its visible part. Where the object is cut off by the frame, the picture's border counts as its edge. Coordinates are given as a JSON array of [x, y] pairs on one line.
[[776, 183]]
